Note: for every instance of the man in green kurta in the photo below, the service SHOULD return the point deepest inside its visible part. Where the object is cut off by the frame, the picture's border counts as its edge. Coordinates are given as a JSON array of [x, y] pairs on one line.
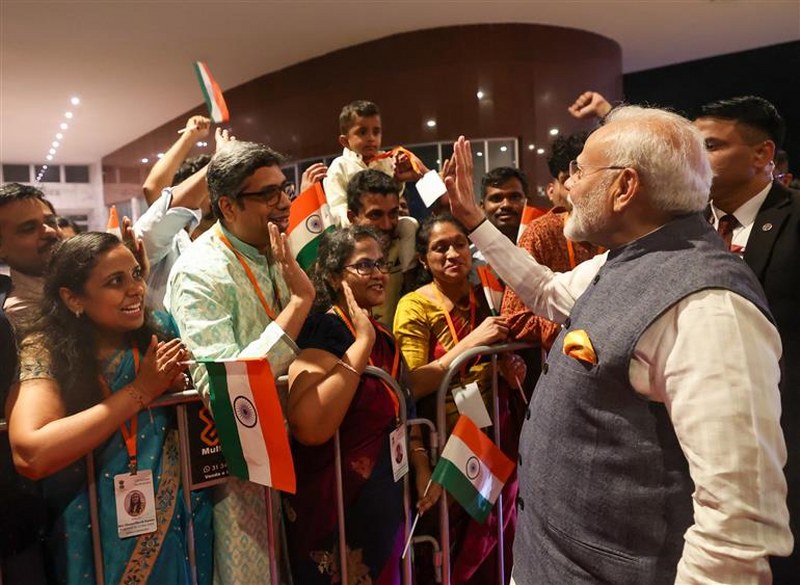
[[238, 292]]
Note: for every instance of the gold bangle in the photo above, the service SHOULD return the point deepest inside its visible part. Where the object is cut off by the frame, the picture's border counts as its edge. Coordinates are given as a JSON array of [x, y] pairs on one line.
[[420, 450], [440, 364], [347, 367]]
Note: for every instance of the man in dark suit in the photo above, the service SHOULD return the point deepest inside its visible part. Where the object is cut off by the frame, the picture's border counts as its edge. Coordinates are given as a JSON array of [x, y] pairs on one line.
[[742, 135]]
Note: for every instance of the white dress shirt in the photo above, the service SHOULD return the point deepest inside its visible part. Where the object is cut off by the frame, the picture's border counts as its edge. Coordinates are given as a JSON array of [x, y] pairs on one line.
[[712, 359], [163, 232], [745, 216]]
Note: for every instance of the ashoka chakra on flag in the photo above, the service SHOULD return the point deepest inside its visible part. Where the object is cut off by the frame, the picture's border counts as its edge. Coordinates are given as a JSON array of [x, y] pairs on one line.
[[245, 412]]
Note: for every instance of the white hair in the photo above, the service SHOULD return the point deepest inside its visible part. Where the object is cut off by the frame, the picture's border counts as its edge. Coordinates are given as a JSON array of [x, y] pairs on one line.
[[666, 150]]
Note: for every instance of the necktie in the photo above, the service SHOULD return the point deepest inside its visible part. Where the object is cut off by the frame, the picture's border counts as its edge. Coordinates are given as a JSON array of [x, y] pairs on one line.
[[725, 228]]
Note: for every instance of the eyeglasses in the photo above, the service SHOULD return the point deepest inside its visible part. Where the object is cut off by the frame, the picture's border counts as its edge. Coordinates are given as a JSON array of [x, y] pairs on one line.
[[576, 170], [271, 194], [366, 267]]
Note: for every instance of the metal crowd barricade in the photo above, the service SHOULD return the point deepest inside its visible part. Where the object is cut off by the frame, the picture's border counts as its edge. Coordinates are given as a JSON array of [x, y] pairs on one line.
[[441, 426], [180, 401]]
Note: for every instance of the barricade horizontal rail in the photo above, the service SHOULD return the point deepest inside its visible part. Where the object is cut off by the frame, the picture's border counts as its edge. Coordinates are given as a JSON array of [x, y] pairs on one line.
[[441, 426]]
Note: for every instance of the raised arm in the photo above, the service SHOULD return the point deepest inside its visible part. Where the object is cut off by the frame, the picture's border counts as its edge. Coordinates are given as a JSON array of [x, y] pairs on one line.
[[590, 104], [197, 128], [321, 387], [44, 439]]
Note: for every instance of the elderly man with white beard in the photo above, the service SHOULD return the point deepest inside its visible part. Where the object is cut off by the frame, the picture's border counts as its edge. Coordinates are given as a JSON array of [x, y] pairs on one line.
[[652, 452]]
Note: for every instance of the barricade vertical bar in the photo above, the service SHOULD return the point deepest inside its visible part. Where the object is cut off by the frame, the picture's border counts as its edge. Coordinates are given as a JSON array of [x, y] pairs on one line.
[[94, 516], [273, 566], [340, 510], [186, 483], [501, 561]]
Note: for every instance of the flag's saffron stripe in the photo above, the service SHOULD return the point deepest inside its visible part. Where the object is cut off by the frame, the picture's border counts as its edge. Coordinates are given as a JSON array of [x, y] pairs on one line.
[[224, 419], [448, 475], [477, 442], [262, 384]]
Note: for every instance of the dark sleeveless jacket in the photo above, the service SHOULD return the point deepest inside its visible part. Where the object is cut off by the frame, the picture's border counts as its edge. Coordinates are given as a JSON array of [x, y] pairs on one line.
[[605, 488]]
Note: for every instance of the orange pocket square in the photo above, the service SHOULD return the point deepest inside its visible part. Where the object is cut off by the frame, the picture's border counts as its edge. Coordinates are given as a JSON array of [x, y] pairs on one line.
[[577, 345]]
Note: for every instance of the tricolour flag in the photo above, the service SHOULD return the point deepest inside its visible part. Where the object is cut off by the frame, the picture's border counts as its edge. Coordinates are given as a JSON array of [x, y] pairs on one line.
[[529, 213], [472, 469], [249, 421], [492, 288], [112, 227], [309, 218], [217, 108]]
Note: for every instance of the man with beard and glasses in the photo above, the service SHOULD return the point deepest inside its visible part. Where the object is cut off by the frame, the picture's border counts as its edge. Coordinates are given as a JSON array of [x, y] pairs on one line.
[[373, 200], [28, 231], [653, 450], [237, 291]]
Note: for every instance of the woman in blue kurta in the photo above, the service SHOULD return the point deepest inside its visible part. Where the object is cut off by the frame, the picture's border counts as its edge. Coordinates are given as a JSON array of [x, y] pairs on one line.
[[89, 366]]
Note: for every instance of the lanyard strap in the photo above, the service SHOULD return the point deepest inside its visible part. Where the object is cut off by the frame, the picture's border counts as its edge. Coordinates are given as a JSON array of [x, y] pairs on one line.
[[472, 308], [128, 433], [250, 276], [395, 361]]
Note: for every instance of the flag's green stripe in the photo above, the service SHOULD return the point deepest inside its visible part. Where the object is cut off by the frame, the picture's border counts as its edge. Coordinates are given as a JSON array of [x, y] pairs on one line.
[[455, 482], [225, 421], [308, 255], [206, 95]]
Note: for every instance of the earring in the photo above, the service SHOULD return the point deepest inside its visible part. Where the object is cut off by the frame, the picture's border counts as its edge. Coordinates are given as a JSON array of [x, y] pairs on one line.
[[78, 313]]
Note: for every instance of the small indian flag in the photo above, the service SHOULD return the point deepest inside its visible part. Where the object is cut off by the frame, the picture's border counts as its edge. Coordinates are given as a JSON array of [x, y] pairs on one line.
[[309, 218], [112, 227], [212, 94], [529, 213], [492, 288], [249, 421], [472, 469]]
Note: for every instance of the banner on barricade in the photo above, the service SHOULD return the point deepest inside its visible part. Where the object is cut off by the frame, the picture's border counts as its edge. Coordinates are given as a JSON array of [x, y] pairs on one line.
[[249, 420], [207, 465], [473, 469]]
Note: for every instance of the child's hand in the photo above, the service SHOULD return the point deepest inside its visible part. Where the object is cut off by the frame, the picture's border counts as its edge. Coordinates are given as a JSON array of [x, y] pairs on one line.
[[312, 174], [404, 167]]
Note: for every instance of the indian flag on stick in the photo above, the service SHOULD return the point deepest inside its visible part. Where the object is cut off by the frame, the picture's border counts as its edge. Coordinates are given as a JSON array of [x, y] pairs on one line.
[[492, 288], [212, 94], [309, 218], [529, 213], [472, 469], [249, 421]]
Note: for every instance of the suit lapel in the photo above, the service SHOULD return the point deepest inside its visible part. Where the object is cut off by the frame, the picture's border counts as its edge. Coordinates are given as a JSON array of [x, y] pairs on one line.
[[770, 219]]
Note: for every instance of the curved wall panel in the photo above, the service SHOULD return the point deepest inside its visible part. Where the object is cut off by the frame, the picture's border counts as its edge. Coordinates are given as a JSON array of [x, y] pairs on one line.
[[529, 74]]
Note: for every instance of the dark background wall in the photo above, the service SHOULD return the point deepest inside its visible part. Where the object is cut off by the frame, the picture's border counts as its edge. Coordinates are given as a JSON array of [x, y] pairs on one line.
[[770, 72], [529, 74]]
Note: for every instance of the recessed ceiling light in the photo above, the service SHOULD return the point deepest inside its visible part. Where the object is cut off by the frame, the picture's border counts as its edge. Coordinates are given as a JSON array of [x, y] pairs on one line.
[[52, 151], [553, 131], [480, 94], [68, 115], [531, 147], [431, 123], [479, 153], [64, 125], [540, 151], [75, 101], [49, 157], [503, 148], [145, 160], [56, 144], [44, 167], [59, 136]]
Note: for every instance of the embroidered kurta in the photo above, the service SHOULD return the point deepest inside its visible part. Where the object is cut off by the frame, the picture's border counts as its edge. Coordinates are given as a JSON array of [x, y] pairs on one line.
[[220, 316]]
